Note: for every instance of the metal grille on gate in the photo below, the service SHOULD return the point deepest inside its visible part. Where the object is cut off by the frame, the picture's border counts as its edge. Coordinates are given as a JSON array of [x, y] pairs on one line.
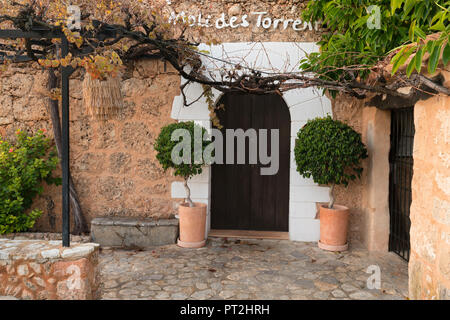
[[401, 173]]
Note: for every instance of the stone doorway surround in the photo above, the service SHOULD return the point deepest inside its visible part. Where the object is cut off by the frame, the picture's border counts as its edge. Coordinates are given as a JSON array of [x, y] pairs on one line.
[[304, 104]]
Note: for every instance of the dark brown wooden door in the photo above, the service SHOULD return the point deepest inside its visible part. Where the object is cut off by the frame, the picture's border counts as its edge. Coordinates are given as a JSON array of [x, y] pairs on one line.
[[242, 198]]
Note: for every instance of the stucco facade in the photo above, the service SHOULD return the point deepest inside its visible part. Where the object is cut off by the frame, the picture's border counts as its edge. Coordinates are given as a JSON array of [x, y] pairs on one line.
[[429, 267]]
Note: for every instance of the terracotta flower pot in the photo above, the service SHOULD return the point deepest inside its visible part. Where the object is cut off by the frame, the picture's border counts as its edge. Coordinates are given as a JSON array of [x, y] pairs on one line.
[[333, 228], [192, 225]]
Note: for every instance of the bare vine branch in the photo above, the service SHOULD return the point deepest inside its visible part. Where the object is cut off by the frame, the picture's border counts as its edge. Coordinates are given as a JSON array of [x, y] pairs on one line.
[[145, 37]]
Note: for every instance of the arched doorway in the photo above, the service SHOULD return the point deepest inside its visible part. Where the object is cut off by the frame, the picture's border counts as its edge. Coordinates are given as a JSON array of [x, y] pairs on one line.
[[242, 198]]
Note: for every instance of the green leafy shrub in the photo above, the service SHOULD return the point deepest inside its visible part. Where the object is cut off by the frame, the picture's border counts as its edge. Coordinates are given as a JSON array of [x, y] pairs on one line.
[[419, 46], [330, 151], [24, 165], [348, 41], [164, 145]]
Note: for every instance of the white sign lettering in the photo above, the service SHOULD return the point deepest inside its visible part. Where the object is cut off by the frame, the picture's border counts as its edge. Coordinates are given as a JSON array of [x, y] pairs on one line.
[[263, 20]]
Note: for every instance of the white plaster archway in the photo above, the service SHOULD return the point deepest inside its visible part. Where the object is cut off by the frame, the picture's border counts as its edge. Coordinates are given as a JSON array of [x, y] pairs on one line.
[[304, 104]]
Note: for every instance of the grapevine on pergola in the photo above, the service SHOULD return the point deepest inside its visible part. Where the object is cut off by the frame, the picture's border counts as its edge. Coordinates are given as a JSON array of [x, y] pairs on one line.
[[113, 33]]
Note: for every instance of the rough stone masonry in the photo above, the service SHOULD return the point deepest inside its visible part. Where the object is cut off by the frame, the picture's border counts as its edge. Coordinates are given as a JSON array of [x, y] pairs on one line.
[[43, 270], [113, 162]]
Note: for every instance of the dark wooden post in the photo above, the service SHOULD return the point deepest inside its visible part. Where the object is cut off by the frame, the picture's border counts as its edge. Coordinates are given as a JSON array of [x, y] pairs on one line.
[[65, 73]]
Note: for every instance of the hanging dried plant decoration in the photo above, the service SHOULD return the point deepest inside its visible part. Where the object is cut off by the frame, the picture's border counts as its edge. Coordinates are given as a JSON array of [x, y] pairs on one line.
[[103, 99]]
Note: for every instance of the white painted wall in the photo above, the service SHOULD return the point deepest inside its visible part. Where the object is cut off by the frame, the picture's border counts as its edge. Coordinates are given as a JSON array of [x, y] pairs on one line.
[[304, 104]]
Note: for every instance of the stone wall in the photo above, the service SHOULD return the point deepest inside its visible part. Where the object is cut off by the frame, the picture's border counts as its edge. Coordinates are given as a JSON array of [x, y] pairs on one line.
[[429, 268], [350, 110], [42, 270], [254, 9], [368, 197], [112, 162]]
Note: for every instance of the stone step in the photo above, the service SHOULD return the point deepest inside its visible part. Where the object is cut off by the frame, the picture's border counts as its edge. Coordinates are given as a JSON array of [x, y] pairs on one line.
[[134, 232]]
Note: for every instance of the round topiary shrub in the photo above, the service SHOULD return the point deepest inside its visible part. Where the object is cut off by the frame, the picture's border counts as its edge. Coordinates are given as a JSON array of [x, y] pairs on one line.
[[180, 146], [330, 152]]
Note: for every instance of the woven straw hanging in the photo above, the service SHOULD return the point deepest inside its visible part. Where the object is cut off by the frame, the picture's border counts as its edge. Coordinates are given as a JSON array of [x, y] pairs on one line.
[[102, 98]]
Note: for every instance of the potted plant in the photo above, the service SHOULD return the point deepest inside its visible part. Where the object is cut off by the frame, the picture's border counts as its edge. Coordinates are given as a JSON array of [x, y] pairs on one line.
[[185, 157], [331, 152]]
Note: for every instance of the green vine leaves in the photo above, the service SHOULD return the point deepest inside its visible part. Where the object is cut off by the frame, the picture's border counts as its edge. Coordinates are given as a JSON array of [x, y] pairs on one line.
[[435, 48]]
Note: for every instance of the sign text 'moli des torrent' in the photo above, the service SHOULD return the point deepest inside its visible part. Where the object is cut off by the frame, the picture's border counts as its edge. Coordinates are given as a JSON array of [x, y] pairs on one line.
[[263, 20]]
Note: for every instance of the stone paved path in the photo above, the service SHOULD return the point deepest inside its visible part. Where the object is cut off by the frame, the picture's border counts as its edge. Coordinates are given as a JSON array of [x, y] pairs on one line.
[[249, 269]]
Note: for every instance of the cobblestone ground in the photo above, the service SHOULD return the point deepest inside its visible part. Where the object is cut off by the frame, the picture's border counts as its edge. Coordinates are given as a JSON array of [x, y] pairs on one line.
[[249, 269]]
